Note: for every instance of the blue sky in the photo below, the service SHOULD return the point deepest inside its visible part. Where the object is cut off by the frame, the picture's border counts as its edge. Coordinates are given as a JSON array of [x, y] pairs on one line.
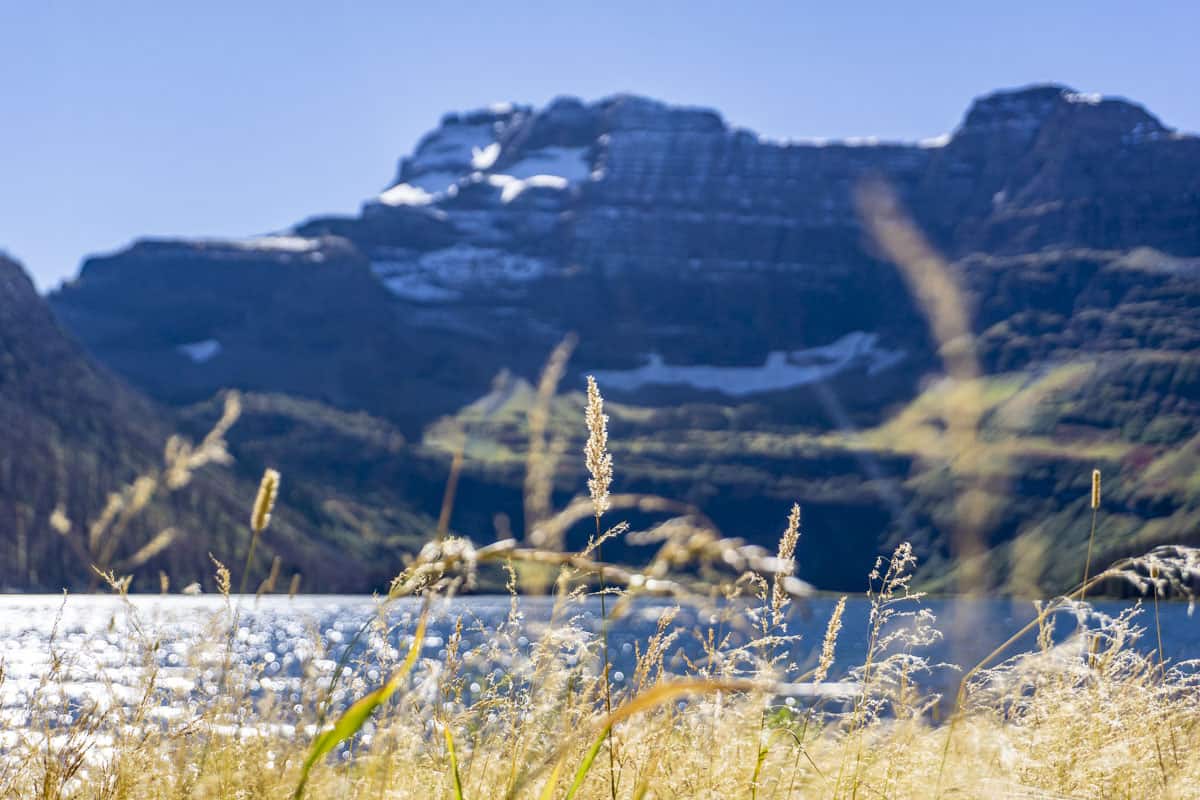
[[128, 118]]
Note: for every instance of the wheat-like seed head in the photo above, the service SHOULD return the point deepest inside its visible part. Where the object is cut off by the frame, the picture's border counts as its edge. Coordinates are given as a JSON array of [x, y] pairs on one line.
[[1095, 489], [264, 503], [787, 551], [830, 642], [223, 577], [599, 460]]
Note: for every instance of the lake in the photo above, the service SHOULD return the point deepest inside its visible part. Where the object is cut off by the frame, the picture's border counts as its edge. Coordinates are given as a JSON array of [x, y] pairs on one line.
[[95, 639]]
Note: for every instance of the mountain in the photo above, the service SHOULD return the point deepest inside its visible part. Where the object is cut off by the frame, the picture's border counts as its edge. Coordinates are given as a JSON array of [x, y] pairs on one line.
[[757, 346], [80, 446]]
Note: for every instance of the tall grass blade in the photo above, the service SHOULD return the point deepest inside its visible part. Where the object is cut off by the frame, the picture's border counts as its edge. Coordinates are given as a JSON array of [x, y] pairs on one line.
[[356, 715], [458, 791], [586, 765], [551, 782]]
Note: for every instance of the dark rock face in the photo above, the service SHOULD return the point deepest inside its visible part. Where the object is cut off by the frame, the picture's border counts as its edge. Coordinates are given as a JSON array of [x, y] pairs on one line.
[[74, 433], [1047, 167], [699, 264]]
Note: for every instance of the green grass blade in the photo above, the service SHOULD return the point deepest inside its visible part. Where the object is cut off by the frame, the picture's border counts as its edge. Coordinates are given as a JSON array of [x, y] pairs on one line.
[[356, 715], [762, 756], [634, 705], [551, 782], [458, 792], [586, 764]]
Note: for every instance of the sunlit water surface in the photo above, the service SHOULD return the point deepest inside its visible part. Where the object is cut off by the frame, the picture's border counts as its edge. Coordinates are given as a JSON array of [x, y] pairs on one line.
[[94, 648]]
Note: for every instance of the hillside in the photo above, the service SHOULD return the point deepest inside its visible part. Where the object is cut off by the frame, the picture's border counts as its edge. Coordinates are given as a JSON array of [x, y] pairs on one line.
[[76, 440]]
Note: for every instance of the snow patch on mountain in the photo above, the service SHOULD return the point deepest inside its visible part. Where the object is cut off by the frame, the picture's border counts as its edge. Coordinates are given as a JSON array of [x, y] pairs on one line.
[[570, 163], [432, 174], [405, 194], [287, 244], [309, 248], [420, 190], [548, 168], [484, 158], [445, 275], [202, 351], [511, 187], [782, 370], [414, 285]]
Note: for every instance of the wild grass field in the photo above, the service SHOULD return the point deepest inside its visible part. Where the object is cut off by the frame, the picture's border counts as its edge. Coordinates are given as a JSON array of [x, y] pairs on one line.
[[1091, 710], [1092, 714]]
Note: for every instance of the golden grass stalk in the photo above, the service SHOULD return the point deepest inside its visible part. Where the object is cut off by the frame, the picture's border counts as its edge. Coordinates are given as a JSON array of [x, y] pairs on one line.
[[451, 490], [260, 518], [264, 502], [786, 556], [829, 643], [598, 459], [600, 466], [1087, 563]]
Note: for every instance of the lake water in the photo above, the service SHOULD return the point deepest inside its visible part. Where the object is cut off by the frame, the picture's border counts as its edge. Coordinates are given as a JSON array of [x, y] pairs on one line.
[[95, 638]]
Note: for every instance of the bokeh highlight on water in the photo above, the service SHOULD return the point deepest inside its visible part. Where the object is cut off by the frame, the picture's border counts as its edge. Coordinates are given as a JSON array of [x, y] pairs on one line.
[[102, 658]]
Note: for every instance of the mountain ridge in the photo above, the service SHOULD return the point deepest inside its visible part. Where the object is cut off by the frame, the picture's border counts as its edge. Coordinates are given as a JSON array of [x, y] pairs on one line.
[[690, 256]]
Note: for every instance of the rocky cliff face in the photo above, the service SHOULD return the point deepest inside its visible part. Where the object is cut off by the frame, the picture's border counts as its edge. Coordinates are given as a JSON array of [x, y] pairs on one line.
[[702, 266]]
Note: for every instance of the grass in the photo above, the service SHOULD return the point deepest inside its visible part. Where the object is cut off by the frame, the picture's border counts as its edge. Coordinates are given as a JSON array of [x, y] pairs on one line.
[[1091, 715], [1089, 712]]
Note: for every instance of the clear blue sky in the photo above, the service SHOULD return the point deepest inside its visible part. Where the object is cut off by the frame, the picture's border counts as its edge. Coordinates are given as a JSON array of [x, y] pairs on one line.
[[128, 118]]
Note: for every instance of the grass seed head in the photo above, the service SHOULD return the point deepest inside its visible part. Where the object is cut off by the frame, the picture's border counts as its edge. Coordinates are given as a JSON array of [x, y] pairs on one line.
[[787, 552], [264, 503], [599, 460], [830, 641]]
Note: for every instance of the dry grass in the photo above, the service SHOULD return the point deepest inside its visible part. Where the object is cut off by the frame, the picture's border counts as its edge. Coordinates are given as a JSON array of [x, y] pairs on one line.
[[1089, 714], [1092, 715]]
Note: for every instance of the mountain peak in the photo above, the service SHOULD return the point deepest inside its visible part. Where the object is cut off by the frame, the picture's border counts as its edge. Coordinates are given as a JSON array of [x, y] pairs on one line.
[[1024, 111], [506, 142]]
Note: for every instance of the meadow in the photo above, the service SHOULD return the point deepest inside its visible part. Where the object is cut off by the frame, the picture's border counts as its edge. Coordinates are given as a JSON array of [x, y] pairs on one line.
[[720, 698], [1089, 711]]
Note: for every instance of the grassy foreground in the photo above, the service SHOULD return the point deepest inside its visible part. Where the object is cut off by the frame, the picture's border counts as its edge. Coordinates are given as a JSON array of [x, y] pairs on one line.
[[1091, 715]]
